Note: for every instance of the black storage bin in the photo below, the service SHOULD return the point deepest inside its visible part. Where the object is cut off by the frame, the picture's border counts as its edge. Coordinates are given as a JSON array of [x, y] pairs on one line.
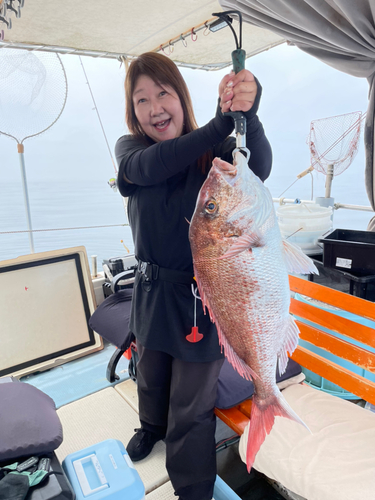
[[357, 284], [350, 250]]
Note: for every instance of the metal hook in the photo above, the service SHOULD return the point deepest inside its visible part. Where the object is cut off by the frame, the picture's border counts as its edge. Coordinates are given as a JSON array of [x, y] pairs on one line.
[[171, 47], [2, 35], [206, 30], [7, 22], [184, 42], [162, 49], [10, 7], [193, 33], [242, 150]]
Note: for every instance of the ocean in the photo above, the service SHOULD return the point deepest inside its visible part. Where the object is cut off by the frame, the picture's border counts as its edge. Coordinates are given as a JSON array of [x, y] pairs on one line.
[[65, 205], [68, 166]]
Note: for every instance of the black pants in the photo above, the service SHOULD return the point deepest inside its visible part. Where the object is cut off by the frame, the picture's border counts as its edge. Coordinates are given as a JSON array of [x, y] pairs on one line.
[[177, 399]]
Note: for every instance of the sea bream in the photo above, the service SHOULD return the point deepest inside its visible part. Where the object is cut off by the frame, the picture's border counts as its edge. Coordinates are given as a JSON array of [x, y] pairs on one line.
[[241, 265]]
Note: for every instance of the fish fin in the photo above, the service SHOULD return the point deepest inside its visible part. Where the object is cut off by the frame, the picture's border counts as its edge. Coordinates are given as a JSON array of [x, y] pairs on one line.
[[243, 242], [203, 296], [262, 418], [296, 261], [238, 364], [291, 342]]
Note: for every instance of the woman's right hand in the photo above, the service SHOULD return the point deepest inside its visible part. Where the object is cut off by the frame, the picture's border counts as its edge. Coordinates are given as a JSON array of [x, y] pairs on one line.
[[237, 91]]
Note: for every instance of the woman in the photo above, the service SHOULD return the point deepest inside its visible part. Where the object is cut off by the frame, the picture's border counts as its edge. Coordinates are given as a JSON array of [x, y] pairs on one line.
[[162, 166]]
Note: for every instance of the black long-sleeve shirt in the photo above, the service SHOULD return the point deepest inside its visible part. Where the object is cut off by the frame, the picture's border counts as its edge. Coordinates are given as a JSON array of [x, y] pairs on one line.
[[165, 182]]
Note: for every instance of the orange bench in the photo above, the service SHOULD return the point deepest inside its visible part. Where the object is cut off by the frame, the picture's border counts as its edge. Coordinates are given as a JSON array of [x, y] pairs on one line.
[[337, 460], [238, 417]]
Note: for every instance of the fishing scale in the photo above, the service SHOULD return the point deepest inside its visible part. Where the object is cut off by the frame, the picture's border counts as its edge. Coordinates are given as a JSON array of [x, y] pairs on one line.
[[238, 60]]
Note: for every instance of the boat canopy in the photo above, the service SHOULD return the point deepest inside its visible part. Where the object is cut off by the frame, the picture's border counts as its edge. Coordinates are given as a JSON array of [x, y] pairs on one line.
[[127, 28], [340, 33]]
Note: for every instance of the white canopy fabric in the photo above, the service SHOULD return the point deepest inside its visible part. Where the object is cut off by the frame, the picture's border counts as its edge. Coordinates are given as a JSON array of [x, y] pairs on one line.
[[129, 28], [341, 33]]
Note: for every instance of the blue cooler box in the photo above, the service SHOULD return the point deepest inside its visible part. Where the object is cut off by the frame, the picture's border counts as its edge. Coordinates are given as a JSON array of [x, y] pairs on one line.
[[104, 471]]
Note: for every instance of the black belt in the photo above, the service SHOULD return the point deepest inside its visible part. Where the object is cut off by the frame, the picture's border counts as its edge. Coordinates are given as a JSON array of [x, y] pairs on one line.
[[153, 272]]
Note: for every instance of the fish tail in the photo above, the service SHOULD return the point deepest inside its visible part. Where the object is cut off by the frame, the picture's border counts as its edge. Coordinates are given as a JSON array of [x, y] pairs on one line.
[[262, 418]]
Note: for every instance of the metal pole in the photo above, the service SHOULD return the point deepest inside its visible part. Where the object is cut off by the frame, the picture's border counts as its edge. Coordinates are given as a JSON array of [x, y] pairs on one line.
[[26, 195]]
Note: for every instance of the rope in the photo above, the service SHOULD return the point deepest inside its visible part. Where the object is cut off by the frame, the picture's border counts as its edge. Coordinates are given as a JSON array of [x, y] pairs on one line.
[[61, 229]]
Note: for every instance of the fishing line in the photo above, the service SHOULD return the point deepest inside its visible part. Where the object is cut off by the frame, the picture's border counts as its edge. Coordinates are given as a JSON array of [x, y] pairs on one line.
[[112, 182], [97, 112]]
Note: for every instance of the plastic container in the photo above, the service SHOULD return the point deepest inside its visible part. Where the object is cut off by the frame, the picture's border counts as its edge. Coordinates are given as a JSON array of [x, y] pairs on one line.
[[356, 284], [308, 221], [319, 382], [350, 250], [104, 471], [223, 492]]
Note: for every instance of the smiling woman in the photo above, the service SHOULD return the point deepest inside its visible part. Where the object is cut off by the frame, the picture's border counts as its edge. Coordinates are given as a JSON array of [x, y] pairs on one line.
[[158, 109], [160, 171]]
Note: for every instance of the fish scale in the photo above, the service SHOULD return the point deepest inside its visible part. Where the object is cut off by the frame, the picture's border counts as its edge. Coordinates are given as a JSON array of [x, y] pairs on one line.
[[240, 264]]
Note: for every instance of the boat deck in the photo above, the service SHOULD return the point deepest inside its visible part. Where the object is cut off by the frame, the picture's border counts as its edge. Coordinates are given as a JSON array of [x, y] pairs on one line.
[[92, 410]]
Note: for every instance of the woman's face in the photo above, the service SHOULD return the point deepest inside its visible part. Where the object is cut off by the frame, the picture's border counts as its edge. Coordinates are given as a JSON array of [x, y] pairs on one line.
[[158, 109]]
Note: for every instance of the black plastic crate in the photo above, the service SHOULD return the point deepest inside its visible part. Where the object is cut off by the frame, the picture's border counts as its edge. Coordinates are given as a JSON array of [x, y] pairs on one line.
[[351, 283], [349, 250]]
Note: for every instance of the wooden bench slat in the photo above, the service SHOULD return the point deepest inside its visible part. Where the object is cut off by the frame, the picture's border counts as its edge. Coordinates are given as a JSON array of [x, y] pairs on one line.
[[341, 348], [344, 326], [233, 418], [342, 300], [363, 388], [245, 407]]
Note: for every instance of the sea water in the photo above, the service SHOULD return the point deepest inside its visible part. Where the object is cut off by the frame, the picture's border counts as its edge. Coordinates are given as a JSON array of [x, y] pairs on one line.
[[65, 205]]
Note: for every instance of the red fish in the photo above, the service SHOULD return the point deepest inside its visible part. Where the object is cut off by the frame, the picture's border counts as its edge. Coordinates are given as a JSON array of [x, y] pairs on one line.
[[241, 266]]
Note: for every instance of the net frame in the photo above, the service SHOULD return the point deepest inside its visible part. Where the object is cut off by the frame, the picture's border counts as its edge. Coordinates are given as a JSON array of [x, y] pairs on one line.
[[63, 103], [337, 153]]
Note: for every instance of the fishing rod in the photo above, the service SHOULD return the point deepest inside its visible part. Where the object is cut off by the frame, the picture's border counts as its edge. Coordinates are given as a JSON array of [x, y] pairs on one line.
[[238, 60]]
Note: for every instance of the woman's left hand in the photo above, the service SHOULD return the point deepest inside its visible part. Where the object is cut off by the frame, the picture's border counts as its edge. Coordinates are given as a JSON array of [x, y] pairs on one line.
[[237, 91]]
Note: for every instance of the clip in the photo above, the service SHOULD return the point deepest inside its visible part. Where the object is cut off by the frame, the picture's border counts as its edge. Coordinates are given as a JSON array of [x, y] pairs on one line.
[[193, 33]]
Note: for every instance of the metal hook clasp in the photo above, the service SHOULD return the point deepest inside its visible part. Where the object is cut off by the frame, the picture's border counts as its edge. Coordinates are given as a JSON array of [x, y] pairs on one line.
[[192, 34], [206, 32], [171, 47], [242, 150], [184, 42], [162, 49]]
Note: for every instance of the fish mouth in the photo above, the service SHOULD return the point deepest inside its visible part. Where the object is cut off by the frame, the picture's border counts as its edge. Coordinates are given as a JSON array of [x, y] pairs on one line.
[[228, 176]]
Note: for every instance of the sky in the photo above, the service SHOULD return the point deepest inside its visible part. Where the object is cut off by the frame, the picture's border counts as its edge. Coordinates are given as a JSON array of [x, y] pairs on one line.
[[297, 89]]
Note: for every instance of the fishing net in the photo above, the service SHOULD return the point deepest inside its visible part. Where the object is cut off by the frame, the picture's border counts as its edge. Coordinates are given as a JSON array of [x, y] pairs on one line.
[[33, 92], [334, 141]]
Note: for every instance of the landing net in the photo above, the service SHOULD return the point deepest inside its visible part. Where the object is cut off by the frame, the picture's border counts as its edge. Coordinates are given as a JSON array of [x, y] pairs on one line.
[[334, 141], [33, 92]]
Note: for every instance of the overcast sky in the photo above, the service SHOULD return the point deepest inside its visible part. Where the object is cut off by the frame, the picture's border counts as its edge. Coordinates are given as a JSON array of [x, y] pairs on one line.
[[296, 90]]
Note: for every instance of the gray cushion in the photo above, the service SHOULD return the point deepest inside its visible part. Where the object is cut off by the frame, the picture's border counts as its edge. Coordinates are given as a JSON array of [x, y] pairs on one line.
[[29, 424]]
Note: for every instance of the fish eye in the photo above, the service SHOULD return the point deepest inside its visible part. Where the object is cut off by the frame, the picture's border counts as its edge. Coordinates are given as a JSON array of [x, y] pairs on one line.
[[210, 206]]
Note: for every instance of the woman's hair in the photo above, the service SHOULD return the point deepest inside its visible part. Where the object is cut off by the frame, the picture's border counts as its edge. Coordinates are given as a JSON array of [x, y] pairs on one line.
[[162, 71]]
